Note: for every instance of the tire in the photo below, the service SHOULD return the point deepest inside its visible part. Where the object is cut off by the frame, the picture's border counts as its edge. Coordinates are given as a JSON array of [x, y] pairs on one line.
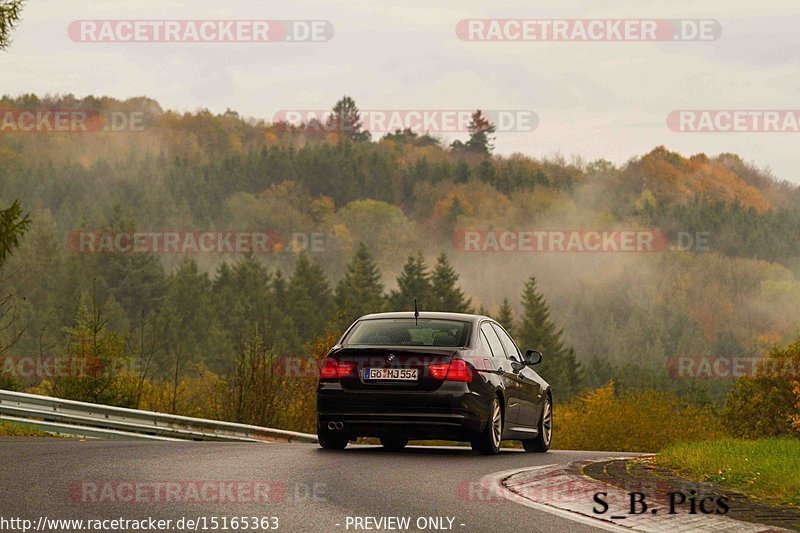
[[542, 443], [394, 443], [488, 442], [328, 440]]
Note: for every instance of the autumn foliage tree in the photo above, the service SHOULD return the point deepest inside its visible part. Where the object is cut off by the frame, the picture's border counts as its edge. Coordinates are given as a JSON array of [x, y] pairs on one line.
[[766, 403]]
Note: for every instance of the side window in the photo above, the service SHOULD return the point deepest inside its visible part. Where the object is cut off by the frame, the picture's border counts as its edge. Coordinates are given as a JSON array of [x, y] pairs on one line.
[[485, 346], [494, 341], [508, 344]]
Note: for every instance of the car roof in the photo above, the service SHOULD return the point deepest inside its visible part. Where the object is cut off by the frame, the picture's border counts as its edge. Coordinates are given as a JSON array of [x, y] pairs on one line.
[[465, 317]]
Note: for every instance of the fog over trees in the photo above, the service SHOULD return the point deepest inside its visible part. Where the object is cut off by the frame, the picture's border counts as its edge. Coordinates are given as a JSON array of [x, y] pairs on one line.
[[360, 223]]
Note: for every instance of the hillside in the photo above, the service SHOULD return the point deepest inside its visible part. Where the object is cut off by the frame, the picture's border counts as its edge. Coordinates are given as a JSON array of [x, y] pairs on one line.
[[722, 283]]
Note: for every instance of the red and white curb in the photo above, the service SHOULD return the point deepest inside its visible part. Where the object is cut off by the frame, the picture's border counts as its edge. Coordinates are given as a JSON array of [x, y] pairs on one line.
[[558, 490]]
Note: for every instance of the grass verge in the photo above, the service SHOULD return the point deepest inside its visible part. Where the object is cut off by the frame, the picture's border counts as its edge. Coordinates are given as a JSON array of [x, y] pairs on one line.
[[767, 468], [10, 429]]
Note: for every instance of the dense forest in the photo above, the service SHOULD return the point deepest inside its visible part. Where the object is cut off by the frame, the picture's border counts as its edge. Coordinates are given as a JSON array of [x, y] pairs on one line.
[[360, 225]]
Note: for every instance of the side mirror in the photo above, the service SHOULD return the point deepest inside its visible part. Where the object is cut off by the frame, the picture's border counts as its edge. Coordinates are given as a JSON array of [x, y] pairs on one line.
[[533, 357]]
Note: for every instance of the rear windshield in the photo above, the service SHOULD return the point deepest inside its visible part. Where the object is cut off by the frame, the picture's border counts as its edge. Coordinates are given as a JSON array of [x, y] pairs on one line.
[[408, 332]]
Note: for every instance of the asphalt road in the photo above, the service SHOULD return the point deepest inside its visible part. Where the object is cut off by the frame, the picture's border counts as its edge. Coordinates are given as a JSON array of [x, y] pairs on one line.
[[310, 489]]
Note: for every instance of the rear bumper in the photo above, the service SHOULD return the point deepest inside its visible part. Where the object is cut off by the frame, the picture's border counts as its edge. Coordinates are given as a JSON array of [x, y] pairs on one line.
[[453, 412], [447, 426]]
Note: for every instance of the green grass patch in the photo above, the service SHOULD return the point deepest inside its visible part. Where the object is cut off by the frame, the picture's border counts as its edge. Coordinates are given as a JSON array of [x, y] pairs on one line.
[[10, 429], [767, 468]]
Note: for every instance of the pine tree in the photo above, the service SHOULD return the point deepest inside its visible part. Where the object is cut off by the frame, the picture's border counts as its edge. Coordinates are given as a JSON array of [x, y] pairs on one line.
[[346, 120], [486, 172], [456, 210], [136, 280], [310, 300], [462, 171], [279, 289], [413, 282], [252, 281], [193, 322], [505, 316], [37, 271], [360, 292], [283, 336], [481, 132], [537, 331], [12, 226], [100, 356], [446, 295]]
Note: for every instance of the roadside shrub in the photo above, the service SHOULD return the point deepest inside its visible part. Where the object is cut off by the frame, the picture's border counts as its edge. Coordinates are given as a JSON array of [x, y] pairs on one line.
[[796, 417], [261, 390], [105, 380], [8, 382], [300, 411], [767, 404], [634, 421], [199, 393], [255, 394]]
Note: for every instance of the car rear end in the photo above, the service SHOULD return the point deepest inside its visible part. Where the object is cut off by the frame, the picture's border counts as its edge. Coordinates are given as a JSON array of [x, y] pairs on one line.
[[396, 386]]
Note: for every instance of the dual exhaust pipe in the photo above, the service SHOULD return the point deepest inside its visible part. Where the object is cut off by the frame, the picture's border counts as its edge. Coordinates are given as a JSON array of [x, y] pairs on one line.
[[338, 426]]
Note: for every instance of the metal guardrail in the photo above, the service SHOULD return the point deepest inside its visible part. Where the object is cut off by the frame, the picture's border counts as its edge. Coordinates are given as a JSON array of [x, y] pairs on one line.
[[81, 431], [68, 417]]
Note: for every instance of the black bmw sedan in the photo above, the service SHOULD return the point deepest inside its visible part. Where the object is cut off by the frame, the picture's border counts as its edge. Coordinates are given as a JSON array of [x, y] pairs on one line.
[[450, 376]]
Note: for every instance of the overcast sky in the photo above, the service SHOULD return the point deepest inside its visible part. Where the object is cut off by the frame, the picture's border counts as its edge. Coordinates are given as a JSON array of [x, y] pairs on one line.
[[593, 99]]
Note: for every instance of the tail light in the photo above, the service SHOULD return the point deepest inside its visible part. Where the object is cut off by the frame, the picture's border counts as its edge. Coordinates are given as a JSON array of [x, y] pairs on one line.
[[333, 369], [455, 370]]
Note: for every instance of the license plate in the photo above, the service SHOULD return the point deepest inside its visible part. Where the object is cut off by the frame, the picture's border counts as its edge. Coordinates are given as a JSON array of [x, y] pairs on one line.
[[390, 374]]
